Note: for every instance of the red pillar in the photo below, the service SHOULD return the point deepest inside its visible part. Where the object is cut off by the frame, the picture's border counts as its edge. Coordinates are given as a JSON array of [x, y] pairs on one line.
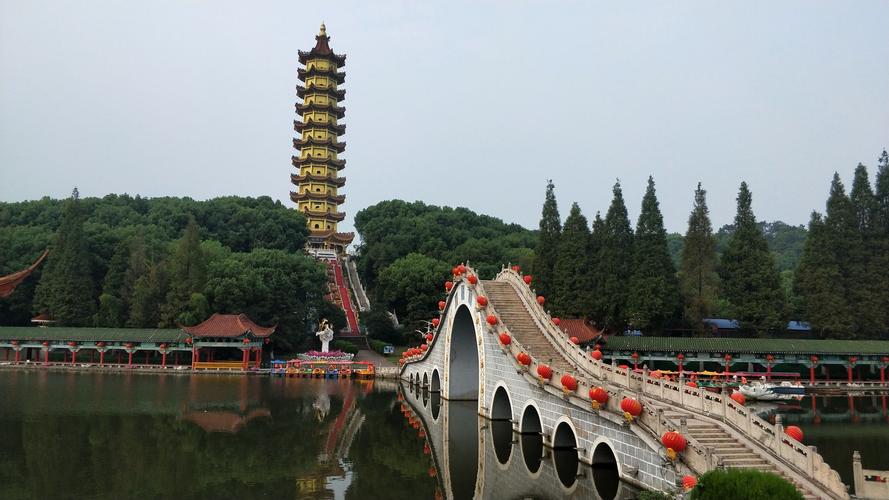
[[883, 375], [769, 372], [680, 368], [164, 359], [46, 357], [101, 357], [849, 371], [246, 358], [18, 355], [73, 357], [258, 357], [146, 356], [812, 375], [130, 361]]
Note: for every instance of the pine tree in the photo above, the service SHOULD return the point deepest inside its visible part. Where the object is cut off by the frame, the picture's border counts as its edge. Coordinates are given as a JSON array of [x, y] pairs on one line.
[[653, 297], [749, 278], [112, 308], [819, 284], [698, 278], [864, 298], [572, 280], [614, 263], [597, 303], [188, 275], [547, 242], [66, 291], [880, 265]]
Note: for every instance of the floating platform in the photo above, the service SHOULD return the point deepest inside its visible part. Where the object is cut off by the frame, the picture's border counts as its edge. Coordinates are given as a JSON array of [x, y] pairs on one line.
[[323, 369]]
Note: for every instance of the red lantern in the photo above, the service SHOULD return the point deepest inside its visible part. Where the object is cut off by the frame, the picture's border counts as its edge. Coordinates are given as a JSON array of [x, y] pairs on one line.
[[482, 301], [72, 344], [689, 482], [44, 343], [188, 340], [599, 395], [813, 359], [541, 299], [770, 358], [267, 340], [680, 356], [693, 385], [100, 344], [517, 269], [164, 346], [794, 432], [885, 359], [575, 340], [524, 359], [527, 279], [728, 357], [739, 398], [435, 322], [492, 320], [557, 321], [569, 383], [454, 271], [505, 339], [635, 355], [429, 337], [473, 279], [246, 341], [853, 360], [423, 347], [461, 269], [597, 355], [441, 305], [631, 406], [544, 371], [449, 285], [674, 441]]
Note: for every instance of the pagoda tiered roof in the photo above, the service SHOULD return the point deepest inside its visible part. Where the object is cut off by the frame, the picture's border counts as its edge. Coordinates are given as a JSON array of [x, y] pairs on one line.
[[228, 325], [302, 74], [336, 181], [334, 216], [299, 161], [299, 126], [340, 238], [309, 195], [311, 141], [322, 50], [301, 92], [337, 111]]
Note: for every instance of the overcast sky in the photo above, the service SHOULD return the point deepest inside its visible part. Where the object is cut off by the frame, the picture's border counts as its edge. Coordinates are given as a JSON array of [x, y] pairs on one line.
[[469, 104]]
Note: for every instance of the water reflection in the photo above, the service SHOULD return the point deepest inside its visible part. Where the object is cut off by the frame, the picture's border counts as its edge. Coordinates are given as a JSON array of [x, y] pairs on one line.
[[501, 432], [532, 451]]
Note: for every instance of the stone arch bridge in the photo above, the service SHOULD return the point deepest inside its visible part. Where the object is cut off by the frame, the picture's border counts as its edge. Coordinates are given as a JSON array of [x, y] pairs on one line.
[[467, 359]]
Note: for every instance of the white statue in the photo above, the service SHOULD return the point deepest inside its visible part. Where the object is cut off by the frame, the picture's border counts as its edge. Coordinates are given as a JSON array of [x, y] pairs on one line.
[[325, 333]]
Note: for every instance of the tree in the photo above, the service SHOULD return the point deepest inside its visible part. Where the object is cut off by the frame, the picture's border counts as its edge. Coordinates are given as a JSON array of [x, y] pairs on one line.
[[819, 284], [188, 275], [864, 286], [547, 242], [880, 265], [614, 262], [412, 286], [698, 278], [571, 285], [66, 290], [597, 303], [749, 278], [653, 295]]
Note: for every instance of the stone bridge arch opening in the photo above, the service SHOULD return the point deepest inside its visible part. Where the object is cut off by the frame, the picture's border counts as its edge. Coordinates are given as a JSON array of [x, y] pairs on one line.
[[606, 476], [425, 380], [531, 431], [501, 407], [436, 382], [463, 373], [565, 454]]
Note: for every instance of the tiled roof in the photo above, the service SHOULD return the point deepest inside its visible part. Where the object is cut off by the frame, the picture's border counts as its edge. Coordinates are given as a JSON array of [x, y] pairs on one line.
[[739, 345], [10, 281], [578, 328], [60, 333], [228, 325]]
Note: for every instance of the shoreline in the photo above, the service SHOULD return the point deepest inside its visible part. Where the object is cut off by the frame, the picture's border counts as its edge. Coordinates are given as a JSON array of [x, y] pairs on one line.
[[381, 372]]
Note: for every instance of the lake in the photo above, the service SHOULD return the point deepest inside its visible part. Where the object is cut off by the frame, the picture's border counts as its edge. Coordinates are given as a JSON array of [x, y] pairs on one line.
[[132, 435]]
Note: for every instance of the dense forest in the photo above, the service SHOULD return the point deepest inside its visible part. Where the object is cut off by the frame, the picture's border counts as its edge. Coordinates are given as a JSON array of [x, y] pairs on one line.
[[158, 262], [835, 275]]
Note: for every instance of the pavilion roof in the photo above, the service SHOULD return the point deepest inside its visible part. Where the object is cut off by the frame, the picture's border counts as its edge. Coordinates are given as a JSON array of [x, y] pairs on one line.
[[10, 281], [742, 345], [59, 333], [578, 328], [228, 325]]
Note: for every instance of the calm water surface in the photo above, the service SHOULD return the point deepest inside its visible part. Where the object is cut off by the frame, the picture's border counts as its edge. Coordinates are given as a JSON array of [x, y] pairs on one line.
[[118, 436]]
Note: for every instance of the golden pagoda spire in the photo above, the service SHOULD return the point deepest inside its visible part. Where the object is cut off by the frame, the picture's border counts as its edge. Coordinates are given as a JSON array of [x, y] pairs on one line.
[[323, 31]]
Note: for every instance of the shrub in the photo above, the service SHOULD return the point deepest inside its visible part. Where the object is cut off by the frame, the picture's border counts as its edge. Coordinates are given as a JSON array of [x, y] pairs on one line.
[[377, 345], [653, 495], [345, 346], [741, 484]]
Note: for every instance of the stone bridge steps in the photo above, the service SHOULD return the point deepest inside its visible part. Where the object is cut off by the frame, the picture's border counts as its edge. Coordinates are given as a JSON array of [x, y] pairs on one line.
[[521, 325], [732, 453]]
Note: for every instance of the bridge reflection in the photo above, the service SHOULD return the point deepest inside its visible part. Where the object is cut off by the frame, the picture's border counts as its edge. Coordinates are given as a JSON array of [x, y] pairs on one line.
[[473, 457]]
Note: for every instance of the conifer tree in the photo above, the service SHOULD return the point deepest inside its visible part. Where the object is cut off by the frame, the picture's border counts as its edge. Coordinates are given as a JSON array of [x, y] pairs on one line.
[[614, 262], [653, 297], [699, 280], [819, 284], [547, 242], [749, 278], [572, 280], [880, 265], [596, 303], [864, 297], [188, 275], [65, 291]]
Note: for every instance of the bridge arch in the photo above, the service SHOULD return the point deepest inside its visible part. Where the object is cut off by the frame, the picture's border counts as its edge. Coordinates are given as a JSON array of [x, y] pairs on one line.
[[501, 403], [564, 442], [607, 469], [463, 357], [436, 381], [530, 422], [425, 380]]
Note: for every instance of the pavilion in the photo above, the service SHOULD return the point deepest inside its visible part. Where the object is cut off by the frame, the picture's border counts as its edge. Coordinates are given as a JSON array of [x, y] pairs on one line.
[[213, 339]]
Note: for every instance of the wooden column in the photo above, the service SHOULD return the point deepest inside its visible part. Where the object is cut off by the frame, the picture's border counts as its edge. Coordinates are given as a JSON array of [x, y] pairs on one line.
[[245, 359]]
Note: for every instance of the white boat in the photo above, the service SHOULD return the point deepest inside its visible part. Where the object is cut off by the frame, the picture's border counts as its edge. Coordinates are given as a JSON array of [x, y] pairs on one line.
[[764, 391]]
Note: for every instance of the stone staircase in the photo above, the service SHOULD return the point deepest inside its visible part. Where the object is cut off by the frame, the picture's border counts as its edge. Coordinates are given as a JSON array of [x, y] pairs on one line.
[[731, 453], [521, 325]]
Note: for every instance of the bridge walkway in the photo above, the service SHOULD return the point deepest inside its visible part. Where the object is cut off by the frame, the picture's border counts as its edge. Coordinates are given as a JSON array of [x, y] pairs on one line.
[[724, 445]]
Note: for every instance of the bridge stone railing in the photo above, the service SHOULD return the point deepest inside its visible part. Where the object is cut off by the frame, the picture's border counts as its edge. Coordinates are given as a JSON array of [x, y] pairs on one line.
[[804, 459]]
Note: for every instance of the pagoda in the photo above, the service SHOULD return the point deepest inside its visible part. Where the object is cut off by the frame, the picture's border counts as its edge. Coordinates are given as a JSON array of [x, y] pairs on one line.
[[317, 181]]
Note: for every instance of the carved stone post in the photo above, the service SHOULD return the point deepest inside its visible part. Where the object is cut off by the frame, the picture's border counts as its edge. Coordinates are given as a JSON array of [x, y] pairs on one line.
[[857, 473]]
